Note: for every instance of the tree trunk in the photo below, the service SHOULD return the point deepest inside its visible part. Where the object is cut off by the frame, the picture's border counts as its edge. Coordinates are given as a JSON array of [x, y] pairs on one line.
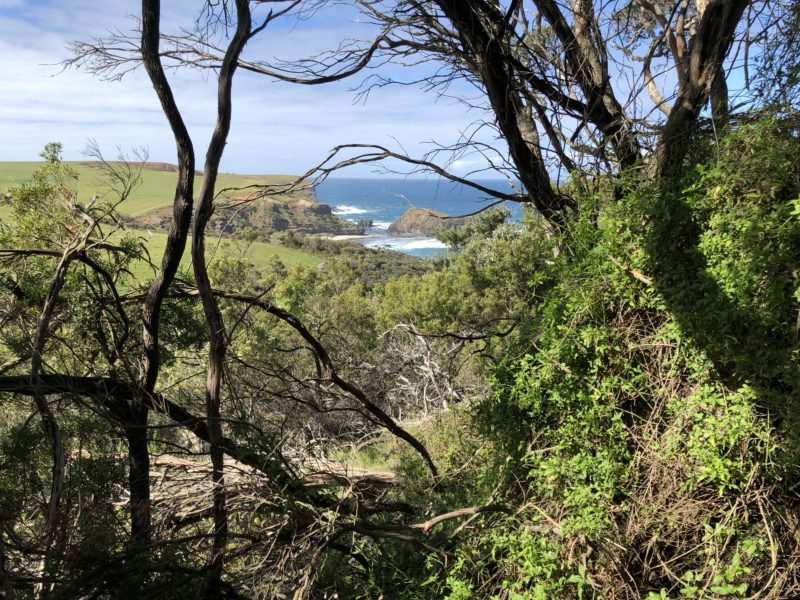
[[216, 326], [139, 476], [139, 458], [5, 580], [489, 59], [709, 48], [720, 113]]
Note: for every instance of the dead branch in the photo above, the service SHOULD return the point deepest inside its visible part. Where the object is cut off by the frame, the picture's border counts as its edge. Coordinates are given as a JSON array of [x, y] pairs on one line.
[[329, 370]]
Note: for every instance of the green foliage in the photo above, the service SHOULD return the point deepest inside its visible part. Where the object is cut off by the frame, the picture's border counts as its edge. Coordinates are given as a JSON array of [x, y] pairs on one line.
[[463, 456], [717, 435], [485, 284], [21, 452], [482, 227], [635, 431], [527, 561], [664, 338], [43, 201], [47, 216], [373, 267], [731, 277], [645, 400], [646, 397]]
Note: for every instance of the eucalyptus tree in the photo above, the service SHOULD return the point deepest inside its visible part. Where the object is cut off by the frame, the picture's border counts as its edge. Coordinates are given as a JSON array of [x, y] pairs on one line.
[[125, 395], [580, 87], [574, 87]]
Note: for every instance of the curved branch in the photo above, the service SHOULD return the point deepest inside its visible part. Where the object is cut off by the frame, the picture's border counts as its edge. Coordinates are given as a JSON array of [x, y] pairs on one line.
[[116, 396], [382, 153], [710, 45], [461, 512], [362, 63], [50, 425], [324, 359], [138, 455], [184, 194], [652, 89], [82, 257], [213, 316], [329, 369]]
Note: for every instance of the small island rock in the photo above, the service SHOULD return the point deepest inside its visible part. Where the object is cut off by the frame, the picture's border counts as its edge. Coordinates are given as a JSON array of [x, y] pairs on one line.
[[424, 221]]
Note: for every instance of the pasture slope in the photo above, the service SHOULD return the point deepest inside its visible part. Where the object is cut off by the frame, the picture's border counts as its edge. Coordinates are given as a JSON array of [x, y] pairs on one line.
[[260, 254], [155, 192]]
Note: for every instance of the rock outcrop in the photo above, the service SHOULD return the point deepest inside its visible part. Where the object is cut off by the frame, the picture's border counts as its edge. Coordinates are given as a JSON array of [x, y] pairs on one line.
[[424, 221], [304, 215], [288, 213]]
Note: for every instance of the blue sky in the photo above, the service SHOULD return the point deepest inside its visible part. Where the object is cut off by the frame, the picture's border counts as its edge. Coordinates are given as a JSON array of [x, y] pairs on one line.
[[277, 127]]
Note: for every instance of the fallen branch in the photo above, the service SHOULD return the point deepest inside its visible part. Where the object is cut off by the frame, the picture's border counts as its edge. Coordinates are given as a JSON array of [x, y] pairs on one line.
[[116, 396], [461, 512]]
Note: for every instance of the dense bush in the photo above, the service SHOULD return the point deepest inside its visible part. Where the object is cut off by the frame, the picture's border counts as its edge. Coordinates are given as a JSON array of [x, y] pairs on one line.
[[642, 423], [647, 419], [614, 407]]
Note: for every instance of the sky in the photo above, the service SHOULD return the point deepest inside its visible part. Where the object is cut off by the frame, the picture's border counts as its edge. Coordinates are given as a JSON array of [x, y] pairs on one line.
[[277, 127]]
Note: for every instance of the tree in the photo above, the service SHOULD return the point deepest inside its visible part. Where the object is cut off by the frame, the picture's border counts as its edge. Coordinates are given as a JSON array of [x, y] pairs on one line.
[[569, 87], [127, 400], [50, 222], [552, 77]]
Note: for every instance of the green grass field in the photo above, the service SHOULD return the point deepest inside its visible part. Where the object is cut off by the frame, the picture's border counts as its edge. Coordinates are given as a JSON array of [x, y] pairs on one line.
[[156, 190], [259, 253]]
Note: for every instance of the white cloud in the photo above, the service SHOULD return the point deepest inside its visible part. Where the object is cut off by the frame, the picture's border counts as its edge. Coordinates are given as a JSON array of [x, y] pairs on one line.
[[277, 127], [459, 166]]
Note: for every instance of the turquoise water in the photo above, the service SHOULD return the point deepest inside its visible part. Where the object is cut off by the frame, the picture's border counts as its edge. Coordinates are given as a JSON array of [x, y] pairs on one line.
[[385, 200]]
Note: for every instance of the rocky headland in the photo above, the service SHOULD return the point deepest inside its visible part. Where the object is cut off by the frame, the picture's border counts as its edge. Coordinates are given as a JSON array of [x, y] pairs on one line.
[[424, 221], [299, 212]]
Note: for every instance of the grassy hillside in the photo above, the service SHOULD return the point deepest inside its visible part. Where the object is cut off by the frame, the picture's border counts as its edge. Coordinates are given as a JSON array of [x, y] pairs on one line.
[[156, 189], [259, 253], [149, 205]]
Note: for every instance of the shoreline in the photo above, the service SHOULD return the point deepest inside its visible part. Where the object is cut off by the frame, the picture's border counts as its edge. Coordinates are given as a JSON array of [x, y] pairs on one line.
[[344, 237], [416, 245]]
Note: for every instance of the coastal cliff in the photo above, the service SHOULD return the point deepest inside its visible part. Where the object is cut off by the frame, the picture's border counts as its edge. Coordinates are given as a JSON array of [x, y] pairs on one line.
[[303, 215], [299, 211]]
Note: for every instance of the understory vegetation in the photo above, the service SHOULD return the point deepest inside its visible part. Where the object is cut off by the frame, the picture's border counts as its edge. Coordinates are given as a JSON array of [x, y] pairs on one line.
[[638, 438], [598, 401], [616, 419], [643, 419]]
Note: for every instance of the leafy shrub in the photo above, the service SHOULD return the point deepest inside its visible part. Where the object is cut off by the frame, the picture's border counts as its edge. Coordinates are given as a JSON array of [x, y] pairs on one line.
[[647, 402]]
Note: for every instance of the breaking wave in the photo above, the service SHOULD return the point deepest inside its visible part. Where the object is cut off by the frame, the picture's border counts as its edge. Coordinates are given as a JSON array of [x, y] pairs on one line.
[[349, 210]]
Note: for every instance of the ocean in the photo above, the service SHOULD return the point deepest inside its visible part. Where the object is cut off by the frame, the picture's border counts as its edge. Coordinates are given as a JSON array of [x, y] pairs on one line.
[[385, 200]]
